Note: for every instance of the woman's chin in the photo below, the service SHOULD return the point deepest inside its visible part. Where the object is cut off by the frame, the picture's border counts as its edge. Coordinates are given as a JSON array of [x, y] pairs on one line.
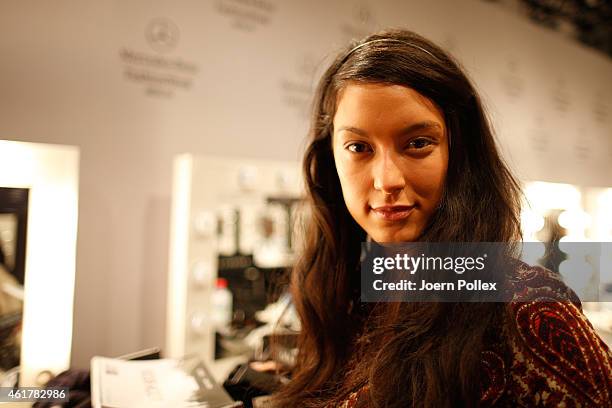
[[393, 237]]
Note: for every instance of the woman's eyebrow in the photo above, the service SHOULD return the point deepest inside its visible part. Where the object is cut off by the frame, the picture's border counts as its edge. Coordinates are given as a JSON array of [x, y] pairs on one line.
[[353, 129], [425, 125]]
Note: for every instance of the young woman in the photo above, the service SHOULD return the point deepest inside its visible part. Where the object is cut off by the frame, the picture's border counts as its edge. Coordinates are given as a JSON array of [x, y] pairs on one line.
[[401, 151]]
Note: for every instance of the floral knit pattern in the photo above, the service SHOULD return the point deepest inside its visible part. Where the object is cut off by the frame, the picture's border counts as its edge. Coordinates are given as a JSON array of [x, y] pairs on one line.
[[552, 356]]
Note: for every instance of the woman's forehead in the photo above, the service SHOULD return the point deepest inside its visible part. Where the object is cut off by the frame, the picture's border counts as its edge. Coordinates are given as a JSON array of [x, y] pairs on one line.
[[372, 105]]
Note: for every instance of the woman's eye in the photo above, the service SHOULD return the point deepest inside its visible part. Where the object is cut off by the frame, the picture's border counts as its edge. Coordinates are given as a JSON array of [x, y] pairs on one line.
[[358, 148], [420, 143]]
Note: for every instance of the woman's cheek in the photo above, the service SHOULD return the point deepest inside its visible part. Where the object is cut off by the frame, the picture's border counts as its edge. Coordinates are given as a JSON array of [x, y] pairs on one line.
[[354, 199], [360, 188], [428, 182]]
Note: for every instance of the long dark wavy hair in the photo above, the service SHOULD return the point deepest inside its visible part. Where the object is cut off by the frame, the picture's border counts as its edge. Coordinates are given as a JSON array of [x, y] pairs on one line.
[[410, 354]]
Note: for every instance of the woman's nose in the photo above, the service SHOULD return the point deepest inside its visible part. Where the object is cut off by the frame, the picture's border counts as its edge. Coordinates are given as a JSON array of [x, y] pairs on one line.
[[388, 177]]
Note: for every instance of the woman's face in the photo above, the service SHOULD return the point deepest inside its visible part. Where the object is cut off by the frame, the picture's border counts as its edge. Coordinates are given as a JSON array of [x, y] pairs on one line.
[[390, 147]]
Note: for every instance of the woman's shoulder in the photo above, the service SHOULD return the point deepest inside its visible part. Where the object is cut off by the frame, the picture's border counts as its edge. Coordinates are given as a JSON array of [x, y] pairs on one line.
[[535, 283], [557, 357], [546, 354]]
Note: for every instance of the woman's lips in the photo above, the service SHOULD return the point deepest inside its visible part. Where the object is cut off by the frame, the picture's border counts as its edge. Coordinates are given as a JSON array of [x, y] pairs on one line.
[[393, 212]]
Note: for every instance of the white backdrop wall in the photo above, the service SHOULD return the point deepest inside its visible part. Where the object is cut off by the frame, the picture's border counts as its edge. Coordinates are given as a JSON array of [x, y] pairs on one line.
[[234, 77]]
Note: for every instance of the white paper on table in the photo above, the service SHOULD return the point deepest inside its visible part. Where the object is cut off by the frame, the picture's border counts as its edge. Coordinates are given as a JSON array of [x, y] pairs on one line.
[[146, 383]]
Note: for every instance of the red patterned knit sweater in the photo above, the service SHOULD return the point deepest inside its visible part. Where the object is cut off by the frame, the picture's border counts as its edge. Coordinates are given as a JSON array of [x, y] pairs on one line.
[[552, 356]]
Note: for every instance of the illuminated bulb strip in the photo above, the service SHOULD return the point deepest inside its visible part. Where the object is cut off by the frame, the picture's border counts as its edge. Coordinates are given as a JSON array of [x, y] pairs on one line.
[[51, 173], [179, 251]]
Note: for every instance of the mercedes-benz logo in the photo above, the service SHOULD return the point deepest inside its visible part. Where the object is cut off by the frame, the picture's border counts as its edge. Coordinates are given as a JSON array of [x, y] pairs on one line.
[[162, 34]]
